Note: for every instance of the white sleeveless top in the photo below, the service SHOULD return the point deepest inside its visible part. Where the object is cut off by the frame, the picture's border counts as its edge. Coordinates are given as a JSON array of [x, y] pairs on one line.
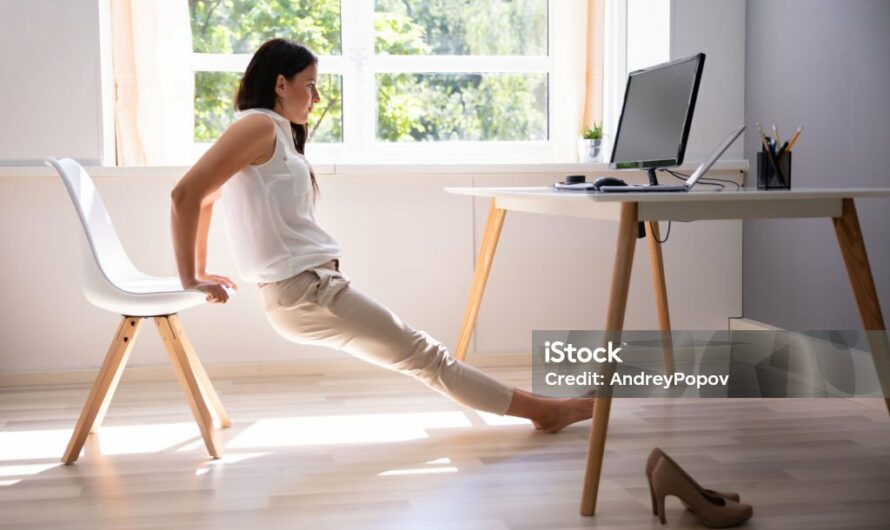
[[269, 213]]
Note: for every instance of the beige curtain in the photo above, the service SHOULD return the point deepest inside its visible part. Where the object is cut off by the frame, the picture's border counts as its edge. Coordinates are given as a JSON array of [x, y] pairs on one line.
[[577, 55], [154, 83]]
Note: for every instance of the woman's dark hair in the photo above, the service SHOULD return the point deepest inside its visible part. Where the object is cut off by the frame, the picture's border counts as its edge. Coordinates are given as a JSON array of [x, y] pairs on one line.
[[257, 87]]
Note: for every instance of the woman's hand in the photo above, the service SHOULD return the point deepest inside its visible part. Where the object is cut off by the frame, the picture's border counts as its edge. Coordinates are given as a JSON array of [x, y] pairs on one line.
[[216, 278], [214, 287]]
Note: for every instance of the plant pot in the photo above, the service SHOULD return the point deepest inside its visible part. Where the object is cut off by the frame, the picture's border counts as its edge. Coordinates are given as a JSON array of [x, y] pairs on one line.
[[590, 150]]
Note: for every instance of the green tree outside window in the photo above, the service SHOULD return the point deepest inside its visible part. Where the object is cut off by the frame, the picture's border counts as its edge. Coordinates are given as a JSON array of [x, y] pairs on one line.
[[410, 107]]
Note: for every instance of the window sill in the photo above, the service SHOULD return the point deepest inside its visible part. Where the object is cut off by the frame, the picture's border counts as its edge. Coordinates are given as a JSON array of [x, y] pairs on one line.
[[380, 169]]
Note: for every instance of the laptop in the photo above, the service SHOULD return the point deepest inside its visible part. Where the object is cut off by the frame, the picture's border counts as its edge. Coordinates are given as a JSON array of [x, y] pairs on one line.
[[690, 182]]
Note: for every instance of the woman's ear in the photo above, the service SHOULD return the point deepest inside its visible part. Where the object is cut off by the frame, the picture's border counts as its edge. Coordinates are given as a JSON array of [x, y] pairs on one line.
[[280, 83]]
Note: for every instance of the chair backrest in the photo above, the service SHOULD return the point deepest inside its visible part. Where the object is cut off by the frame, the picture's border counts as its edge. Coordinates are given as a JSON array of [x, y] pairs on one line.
[[109, 259]]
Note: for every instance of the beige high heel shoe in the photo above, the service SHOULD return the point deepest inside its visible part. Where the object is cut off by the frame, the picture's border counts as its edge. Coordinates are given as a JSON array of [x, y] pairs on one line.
[[715, 511], [654, 457]]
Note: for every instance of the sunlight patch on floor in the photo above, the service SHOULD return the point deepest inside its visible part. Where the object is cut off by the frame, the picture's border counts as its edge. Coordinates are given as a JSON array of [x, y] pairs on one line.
[[495, 420], [30, 445], [418, 471], [26, 469], [345, 429], [423, 470], [137, 439]]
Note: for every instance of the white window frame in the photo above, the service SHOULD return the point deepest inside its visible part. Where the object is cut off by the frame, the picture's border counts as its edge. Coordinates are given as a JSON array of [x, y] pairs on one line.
[[358, 66]]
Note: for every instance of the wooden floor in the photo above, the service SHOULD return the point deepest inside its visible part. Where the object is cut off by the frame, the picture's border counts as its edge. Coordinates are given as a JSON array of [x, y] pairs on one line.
[[380, 450]]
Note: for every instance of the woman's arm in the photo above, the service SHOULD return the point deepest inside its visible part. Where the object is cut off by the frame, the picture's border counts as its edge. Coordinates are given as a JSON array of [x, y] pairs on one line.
[[201, 248], [249, 140], [203, 229]]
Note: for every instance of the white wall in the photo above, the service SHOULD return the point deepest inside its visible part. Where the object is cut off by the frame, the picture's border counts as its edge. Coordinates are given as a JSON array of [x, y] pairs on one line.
[[51, 77], [407, 243], [648, 33]]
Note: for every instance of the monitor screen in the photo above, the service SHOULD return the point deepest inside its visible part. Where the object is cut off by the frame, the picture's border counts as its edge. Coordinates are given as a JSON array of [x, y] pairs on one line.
[[658, 106]]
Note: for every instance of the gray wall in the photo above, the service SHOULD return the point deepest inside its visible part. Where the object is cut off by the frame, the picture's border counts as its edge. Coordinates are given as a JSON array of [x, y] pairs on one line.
[[824, 64]]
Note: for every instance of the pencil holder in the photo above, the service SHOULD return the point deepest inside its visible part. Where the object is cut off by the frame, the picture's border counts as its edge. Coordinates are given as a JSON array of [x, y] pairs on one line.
[[767, 177]]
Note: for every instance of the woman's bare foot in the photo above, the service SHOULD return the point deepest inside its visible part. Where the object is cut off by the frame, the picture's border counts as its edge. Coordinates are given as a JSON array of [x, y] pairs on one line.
[[549, 414], [563, 413]]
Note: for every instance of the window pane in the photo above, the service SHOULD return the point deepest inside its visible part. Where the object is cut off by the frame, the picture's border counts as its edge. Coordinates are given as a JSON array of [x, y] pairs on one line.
[[465, 27], [214, 111], [214, 108], [326, 120], [476, 107], [240, 26]]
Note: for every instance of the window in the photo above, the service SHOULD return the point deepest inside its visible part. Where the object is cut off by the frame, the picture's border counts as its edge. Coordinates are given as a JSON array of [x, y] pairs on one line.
[[225, 33], [415, 79]]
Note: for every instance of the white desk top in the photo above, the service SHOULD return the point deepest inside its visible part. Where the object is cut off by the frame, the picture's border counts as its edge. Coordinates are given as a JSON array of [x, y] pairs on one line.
[[680, 206], [546, 192]]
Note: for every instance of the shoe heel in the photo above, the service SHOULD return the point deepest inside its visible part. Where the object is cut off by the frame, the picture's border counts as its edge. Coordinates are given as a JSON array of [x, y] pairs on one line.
[[652, 494], [651, 462], [659, 504], [658, 495]]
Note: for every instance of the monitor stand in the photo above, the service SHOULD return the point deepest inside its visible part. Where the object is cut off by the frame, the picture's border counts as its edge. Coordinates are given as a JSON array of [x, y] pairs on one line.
[[653, 180]]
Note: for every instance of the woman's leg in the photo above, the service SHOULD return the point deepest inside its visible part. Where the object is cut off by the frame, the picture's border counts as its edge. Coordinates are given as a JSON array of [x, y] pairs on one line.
[[320, 307]]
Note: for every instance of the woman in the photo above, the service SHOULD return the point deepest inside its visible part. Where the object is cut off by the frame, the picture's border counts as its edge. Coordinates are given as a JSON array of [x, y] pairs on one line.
[[269, 193]]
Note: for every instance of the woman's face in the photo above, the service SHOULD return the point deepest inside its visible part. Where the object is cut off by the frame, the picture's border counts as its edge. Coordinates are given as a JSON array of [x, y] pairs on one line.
[[297, 96]]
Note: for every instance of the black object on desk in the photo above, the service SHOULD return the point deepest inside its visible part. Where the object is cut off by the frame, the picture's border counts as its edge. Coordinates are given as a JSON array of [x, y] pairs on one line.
[[767, 176]]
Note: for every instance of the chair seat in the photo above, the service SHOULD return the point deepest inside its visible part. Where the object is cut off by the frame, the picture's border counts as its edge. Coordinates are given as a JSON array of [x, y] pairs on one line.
[[153, 284], [147, 296]]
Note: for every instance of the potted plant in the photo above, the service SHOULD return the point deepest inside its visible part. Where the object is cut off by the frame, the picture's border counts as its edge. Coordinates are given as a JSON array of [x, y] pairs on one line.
[[590, 145]]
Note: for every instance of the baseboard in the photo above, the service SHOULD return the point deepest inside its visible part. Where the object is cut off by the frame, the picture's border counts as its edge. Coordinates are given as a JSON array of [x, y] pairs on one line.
[[749, 324], [231, 370]]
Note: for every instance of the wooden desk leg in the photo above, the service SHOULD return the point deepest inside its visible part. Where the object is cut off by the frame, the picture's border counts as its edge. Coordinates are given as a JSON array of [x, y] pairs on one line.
[[480, 277], [849, 237], [624, 256], [661, 295], [185, 372], [104, 386]]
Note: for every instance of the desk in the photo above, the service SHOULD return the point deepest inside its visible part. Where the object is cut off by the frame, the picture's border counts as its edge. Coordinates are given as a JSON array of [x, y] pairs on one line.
[[628, 209]]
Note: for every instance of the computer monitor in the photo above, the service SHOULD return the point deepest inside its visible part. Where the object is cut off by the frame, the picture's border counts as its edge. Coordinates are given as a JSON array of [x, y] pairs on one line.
[[656, 115]]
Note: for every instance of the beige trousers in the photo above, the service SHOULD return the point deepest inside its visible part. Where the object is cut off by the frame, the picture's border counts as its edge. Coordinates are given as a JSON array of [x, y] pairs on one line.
[[319, 306]]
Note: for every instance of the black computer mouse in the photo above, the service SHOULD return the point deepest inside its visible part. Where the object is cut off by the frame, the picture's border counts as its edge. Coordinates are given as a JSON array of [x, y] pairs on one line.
[[608, 181]]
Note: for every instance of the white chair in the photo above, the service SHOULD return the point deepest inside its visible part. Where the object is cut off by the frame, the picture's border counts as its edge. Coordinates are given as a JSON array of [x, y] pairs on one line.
[[112, 282]]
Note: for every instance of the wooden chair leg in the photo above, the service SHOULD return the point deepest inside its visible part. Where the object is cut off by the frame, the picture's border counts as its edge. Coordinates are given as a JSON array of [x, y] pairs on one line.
[[200, 373], [852, 245], [104, 386], [185, 372], [661, 297], [624, 255], [480, 277]]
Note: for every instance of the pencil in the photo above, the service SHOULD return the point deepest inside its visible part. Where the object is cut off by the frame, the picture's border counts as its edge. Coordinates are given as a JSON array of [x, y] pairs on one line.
[[782, 151], [789, 144], [776, 136], [794, 138], [763, 139]]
